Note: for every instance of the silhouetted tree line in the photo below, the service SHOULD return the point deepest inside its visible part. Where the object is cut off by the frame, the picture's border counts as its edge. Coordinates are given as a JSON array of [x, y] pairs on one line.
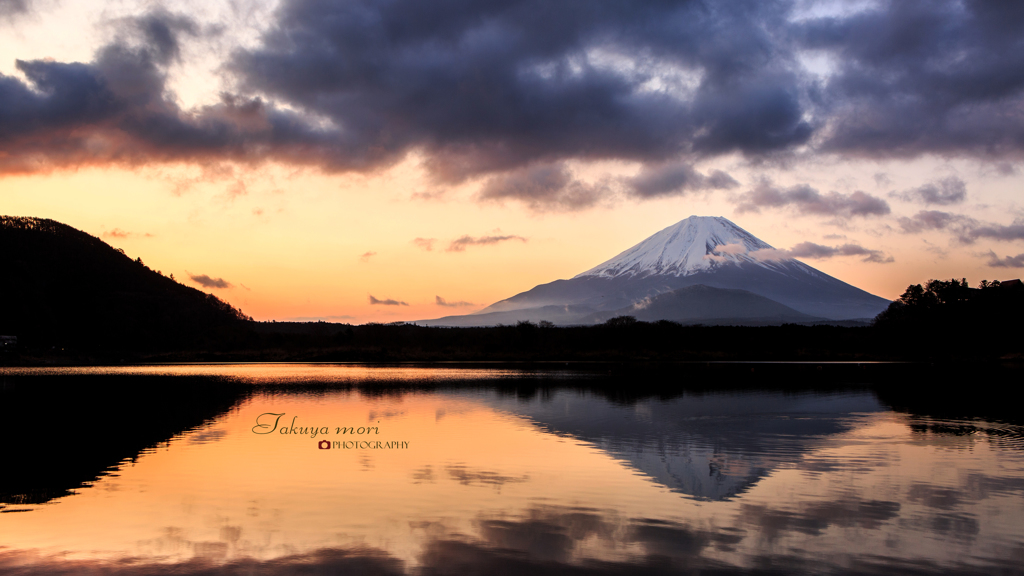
[[948, 316]]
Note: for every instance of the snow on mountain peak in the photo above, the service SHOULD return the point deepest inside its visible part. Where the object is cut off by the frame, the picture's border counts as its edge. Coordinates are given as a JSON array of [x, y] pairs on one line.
[[693, 245]]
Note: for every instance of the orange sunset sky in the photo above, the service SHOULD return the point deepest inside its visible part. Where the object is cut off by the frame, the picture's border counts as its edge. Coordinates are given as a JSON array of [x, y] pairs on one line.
[[303, 159]]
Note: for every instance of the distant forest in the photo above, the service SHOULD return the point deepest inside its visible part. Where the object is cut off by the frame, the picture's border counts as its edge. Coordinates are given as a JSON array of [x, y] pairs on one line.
[[69, 298], [937, 321]]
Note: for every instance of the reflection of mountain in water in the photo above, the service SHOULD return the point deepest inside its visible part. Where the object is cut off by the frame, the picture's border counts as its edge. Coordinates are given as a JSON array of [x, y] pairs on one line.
[[709, 446], [70, 430]]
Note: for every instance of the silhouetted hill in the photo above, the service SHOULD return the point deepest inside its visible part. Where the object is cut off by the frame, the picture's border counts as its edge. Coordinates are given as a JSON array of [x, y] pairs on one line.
[[62, 286]]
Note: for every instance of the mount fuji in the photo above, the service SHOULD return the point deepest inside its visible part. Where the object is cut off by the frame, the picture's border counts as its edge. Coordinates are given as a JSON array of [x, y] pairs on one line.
[[702, 269]]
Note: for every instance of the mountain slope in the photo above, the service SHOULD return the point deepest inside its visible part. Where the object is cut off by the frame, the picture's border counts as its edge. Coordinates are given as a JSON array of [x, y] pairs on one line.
[[703, 303], [64, 287], [700, 250]]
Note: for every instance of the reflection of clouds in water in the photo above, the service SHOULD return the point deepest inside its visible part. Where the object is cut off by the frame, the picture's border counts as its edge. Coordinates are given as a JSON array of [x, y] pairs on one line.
[[933, 496], [813, 518], [368, 561], [423, 475], [468, 476], [546, 540], [384, 415], [207, 436]]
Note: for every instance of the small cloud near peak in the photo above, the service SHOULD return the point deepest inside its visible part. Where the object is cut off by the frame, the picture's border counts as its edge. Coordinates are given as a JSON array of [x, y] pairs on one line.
[[450, 304], [209, 282], [460, 244], [386, 302]]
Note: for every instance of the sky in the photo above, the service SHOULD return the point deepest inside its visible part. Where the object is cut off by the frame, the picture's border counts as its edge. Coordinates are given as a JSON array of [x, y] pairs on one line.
[[389, 160]]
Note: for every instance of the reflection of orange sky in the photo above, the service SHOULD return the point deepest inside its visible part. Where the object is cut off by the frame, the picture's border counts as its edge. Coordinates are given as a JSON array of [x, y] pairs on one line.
[[223, 492], [274, 494], [291, 244]]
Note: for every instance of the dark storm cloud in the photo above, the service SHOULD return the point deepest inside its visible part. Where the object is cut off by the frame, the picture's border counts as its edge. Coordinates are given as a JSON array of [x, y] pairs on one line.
[[510, 90], [1005, 262], [116, 109], [675, 178], [808, 200], [943, 192], [544, 187], [460, 244], [386, 302], [209, 282], [917, 76]]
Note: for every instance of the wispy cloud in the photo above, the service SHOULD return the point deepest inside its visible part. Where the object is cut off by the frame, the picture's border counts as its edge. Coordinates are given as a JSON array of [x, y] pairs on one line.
[[122, 234], [425, 243], [209, 282], [365, 257], [460, 244], [386, 302], [451, 304]]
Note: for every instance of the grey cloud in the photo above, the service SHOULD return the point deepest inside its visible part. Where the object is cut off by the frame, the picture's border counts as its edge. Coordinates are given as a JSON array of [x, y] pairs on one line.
[[675, 178], [160, 31], [460, 244], [807, 200], [967, 230], [544, 187], [817, 251], [209, 282], [451, 304], [386, 302], [930, 220], [10, 8], [1010, 232], [951, 190], [1005, 262]]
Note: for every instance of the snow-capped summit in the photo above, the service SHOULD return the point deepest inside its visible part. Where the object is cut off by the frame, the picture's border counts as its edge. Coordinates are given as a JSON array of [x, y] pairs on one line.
[[692, 245], [700, 266]]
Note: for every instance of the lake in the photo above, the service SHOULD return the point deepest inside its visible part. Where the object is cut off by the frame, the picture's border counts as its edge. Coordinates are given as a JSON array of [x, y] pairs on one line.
[[478, 469]]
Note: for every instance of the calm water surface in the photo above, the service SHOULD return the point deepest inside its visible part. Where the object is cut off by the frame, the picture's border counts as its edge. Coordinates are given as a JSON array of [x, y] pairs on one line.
[[484, 471]]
